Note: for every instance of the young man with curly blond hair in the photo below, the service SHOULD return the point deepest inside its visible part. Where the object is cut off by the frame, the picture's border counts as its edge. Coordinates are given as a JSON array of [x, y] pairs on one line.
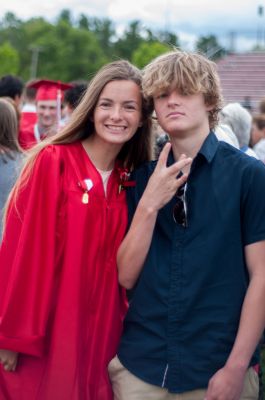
[[194, 258]]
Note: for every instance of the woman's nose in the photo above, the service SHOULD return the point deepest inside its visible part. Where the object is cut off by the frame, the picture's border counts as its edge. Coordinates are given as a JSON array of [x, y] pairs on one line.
[[116, 113]]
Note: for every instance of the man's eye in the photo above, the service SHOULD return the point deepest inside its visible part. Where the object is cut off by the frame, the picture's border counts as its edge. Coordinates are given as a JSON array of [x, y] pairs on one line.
[[161, 95]]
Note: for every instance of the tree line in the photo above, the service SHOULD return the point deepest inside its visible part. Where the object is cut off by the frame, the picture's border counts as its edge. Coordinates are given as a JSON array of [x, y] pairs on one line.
[[69, 50]]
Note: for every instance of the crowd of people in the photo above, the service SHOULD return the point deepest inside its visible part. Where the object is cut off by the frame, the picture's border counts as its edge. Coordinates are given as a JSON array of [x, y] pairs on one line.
[[132, 258]]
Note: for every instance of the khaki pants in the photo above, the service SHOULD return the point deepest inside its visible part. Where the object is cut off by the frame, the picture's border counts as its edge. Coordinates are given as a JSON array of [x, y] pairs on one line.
[[127, 386]]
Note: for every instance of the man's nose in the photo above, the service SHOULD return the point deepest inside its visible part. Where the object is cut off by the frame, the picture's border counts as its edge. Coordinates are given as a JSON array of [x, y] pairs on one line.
[[174, 98], [46, 111]]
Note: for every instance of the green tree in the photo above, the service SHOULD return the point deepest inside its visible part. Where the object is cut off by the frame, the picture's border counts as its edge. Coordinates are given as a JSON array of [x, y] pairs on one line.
[[64, 52], [78, 53], [210, 47], [65, 15], [168, 38], [67, 51], [129, 41], [11, 32], [83, 22], [147, 52], [105, 33], [10, 21], [9, 59], [40, 42], [258, 47]]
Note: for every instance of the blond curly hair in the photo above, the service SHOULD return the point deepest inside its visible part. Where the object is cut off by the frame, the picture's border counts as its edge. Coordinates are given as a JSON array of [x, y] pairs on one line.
[[190, 73]]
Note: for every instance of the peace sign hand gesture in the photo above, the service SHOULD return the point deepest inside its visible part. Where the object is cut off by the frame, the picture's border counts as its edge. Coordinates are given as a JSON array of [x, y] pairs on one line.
[[165, 181]]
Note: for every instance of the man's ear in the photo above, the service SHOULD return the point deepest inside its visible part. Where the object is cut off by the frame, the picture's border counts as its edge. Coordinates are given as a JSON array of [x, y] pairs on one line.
[[209, 107], [17, 99]]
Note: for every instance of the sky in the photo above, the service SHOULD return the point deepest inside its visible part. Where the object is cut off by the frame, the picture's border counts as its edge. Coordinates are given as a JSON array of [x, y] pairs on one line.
[[236, 23]]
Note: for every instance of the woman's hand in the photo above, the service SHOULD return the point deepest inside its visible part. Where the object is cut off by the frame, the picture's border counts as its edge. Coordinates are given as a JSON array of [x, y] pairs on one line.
[[8, 359]]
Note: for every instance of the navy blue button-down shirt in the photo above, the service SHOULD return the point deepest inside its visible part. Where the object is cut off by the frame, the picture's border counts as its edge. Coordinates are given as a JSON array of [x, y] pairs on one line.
[[184, 311]]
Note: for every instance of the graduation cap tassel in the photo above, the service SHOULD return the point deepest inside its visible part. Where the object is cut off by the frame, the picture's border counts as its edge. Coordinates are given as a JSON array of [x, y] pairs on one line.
[[59, 105]]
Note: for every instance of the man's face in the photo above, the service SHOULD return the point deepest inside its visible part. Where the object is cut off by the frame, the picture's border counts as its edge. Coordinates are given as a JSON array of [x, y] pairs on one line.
[[256, 134], [47, 113], [181, 114]]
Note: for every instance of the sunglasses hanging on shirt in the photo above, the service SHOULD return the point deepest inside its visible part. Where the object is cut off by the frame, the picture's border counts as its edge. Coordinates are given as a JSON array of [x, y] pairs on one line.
[[180, 207]]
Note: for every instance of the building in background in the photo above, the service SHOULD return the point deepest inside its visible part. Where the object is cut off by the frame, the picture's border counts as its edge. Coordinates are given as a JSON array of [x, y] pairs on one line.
[[243, 78]]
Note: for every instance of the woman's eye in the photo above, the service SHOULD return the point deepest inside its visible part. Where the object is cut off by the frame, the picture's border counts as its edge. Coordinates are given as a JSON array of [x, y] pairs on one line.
[[130, 107], [104, 105]]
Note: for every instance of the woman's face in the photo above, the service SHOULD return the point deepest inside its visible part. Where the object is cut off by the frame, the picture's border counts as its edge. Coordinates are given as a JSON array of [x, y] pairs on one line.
[[118, 112]]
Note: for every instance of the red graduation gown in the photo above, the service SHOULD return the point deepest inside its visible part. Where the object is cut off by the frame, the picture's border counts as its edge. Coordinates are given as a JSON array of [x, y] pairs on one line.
[[26, 135], [61, 306]]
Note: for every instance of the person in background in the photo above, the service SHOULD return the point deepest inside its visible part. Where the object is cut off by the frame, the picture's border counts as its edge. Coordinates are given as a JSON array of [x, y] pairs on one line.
[[194, 256], [5, 152], [11, 159], [15, 106], [72, 98], [12, 86], [258, 135], [28, 112], [240, 121], [261, 108], [247, 104], [49, 97], [29, 97], [61, 307], [224, 132]]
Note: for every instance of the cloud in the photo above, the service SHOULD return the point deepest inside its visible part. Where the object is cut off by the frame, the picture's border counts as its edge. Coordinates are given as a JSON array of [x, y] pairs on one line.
[[187, 18]]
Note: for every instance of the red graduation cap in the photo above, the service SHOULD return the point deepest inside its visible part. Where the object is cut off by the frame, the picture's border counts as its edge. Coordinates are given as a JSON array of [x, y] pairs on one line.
[[48, 89]]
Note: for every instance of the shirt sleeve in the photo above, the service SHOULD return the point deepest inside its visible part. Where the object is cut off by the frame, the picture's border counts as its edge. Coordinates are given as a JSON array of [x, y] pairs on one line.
[[27, 257], [253, 204]]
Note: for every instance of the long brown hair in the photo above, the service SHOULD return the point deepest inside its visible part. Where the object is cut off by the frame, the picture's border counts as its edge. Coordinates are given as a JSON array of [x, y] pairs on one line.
[[8, 125], [136, 151]]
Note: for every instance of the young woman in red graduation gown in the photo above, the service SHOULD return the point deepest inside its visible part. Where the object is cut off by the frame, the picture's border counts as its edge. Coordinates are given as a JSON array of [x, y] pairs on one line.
[[61, 307]]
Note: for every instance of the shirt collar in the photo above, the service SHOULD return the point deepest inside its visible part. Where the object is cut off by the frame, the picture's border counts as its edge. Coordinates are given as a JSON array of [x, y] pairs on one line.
[[207, 150], [209, 147]]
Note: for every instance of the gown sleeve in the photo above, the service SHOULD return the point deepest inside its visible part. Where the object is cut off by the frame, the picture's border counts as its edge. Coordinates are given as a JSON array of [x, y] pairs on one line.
[[28, 257]]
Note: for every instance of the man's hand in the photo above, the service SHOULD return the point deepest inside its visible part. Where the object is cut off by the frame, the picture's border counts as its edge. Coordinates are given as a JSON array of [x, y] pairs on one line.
[[165, 181], [8, 359], [226, 384]]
